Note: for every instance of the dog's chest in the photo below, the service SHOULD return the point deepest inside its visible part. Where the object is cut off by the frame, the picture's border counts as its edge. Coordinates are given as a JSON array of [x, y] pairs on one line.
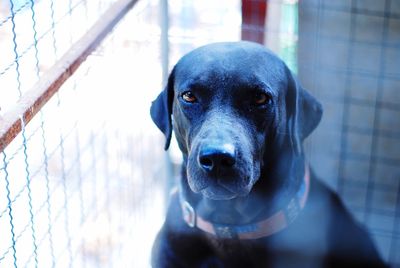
[[259, 253], [239, 253], [295, 245]]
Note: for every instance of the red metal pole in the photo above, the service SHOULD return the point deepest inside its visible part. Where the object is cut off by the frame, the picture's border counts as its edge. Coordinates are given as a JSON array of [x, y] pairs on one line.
[[254, 13]]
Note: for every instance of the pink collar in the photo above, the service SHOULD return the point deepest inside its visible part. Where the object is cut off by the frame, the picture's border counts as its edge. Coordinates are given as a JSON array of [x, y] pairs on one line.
[[277, 222]]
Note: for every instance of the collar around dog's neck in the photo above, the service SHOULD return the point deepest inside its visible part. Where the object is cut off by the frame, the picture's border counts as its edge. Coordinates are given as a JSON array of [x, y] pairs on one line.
[[277, 222]]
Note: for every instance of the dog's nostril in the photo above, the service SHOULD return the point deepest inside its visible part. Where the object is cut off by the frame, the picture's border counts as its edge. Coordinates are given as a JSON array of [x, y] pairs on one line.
[[227, 161], [206, 162]]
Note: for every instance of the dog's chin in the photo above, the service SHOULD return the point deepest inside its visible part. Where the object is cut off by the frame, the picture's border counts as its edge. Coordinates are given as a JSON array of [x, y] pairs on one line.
[[218, 193]]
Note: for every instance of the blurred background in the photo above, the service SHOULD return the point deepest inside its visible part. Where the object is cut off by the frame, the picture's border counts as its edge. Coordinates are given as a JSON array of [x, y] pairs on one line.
[[85, 181]]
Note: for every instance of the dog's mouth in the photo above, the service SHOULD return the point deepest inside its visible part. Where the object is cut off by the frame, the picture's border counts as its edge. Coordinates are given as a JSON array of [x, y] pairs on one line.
[[218, 193], [220, 187]]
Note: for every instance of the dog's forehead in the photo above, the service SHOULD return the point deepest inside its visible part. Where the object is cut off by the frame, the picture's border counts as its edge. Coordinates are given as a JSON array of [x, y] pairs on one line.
[[243, 62]]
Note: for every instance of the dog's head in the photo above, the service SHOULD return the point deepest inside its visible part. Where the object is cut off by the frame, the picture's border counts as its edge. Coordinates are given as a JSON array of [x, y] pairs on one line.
[[236, 108]]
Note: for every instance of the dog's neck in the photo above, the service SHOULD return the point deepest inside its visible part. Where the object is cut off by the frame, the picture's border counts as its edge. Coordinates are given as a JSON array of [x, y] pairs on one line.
[[276, 187]]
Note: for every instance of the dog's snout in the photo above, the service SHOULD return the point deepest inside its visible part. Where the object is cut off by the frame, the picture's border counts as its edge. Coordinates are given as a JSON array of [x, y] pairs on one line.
[[217, 157]]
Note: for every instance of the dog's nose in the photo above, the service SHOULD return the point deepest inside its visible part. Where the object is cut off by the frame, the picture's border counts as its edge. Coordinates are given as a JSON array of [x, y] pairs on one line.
[[217, 157]]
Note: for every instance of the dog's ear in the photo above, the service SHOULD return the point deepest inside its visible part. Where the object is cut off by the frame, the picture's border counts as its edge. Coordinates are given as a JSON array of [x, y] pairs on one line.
[[161, 110], [303, 110]]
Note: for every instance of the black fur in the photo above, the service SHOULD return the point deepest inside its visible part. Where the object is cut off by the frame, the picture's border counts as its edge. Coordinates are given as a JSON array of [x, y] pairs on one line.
[[241, 138]]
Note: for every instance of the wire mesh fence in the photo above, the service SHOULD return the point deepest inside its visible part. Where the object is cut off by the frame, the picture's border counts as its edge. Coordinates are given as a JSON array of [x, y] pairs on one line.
[[82, 184], [73, 181], [34, 35], [349, 57]]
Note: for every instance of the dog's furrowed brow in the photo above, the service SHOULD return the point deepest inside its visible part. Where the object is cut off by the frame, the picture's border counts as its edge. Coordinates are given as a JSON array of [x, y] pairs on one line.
[[195, 86], [253, 87]]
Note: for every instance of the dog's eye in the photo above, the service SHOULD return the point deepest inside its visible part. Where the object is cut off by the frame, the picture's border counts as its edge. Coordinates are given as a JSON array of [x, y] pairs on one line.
[[188, 96], [262, 98]]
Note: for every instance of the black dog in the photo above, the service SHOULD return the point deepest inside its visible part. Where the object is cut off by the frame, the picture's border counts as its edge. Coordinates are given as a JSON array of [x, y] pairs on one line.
[[246, 196]]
